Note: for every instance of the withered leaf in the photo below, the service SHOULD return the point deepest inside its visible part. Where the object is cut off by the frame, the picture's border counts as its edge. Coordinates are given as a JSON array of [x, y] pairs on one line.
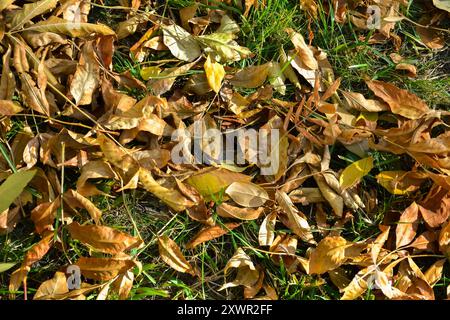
[[407, 225], [86, 78], [331, 253], [172, 255], [228, 211], [73, 29], [247, 194], [247, 273], [296, 218], [400, 101], [210, 233], [266, 233], [103, 269], [102, 238], [51, 288], [181, 43]]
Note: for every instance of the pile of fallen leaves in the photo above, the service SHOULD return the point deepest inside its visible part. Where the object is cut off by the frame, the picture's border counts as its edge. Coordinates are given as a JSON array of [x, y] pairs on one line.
[[57, 77]]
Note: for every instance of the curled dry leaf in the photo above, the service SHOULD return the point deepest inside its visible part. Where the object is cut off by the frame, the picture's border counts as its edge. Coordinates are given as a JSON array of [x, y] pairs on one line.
[[44, 214], [34, 254], [73, 29], [304, 52], [228, 211], [171, 254], [247, 273], [400, 182], [172, 197], [31, 10], [434, 273], [331, 253], [51, 288], [358, 102], [297, 219], [251, 77], [76, 200], [87, 76], [266, 233], [357, 286]]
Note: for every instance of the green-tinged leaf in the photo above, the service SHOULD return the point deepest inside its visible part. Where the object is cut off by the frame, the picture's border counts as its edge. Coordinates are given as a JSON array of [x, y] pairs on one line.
[[13, 187], [210, 182], [6, 266], [223, 48], [442, 4]]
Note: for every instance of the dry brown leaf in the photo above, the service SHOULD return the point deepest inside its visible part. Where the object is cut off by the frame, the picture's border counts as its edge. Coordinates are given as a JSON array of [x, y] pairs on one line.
[[407, 225], [76, 200], [228, 211], [400, 101], [172, 197], [434, 273], [266, 234], [102, 238], [87, 76], [304, 52], [247, 194], [211, 233], [51, 288], [44, 214], [296, 218], [103, 269], [251, 77], [171, 254]]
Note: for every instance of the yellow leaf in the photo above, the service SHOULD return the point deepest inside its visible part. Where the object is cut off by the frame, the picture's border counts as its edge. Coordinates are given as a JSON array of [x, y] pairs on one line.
[[329, 254], [214, 73], [172, 197], [150, 72], [400, 182], [434, 273], [210, 182], [355, 172]]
